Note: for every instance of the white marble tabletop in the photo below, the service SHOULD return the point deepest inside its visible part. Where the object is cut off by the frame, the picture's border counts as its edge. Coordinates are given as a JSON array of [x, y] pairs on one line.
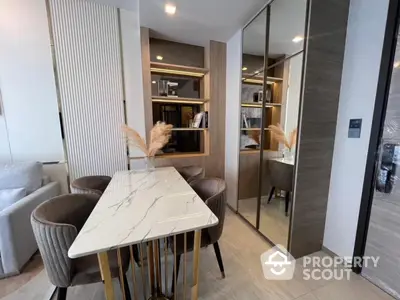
[[285, 160], [139, 206]]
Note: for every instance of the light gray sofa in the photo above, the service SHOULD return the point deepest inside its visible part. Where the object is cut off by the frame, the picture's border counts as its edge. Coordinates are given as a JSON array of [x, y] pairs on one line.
[[17, 242]]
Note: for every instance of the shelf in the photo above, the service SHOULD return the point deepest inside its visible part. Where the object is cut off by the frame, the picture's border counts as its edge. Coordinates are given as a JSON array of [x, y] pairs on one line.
[[253, 151], [189, 129], [163, 68], [162, 99], [181, 155], [252, 129], [249, 78], [260, 105], [172, 155]]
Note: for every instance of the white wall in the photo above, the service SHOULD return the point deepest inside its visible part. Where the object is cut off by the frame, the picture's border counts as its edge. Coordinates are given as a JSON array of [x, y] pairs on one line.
[[293, 94], [365, 33], [130, 27], [233, 86], [27, 83]]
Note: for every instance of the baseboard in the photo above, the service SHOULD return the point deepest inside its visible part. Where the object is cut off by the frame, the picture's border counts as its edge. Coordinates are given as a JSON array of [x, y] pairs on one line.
[[329, 252], [231, 208]]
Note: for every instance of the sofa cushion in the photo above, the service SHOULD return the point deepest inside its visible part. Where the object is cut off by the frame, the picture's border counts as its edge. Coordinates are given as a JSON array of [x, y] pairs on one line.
[[26, 175], [10, 196]]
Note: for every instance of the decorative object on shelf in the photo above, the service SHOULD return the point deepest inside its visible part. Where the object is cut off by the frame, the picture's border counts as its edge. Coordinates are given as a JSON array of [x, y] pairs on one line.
[[172, 89], [279, 135], [255, 135], [198, 119], [159, 137], [163, 88], [245, 123]]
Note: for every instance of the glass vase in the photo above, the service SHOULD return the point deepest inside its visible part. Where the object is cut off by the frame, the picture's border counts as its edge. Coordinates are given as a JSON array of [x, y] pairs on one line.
[[288, 154], [150, 163]]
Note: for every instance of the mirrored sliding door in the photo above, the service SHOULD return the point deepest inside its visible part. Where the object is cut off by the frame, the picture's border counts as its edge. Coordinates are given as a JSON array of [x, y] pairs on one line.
[[253, 56], [271, 93]]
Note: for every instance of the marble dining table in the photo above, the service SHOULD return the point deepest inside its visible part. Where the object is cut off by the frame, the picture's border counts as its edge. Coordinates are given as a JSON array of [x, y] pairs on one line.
[[139, 207]]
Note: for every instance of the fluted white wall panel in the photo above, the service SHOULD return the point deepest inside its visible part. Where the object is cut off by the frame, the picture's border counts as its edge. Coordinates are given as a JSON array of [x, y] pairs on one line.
[[88, 59]]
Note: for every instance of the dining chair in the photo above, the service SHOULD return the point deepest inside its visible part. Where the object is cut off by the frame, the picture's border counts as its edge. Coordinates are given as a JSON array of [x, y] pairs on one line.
[[191, 173], [56, 223], [281, 177], [90, 185], [212, 192]]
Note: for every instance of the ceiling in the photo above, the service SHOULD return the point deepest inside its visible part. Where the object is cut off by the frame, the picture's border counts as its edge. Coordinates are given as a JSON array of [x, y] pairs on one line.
[[195, 22], [198, 21], [287, 21]]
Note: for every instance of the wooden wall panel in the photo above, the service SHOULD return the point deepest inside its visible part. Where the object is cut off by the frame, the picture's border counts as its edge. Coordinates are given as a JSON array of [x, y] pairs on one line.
[[323, 73], [177, 53], [215, 162]]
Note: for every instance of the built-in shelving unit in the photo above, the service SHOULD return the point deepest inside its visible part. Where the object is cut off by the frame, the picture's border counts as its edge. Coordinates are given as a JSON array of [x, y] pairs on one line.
[[250, 129], [189, 129], [163, 68], [162, 99], [178, 96], [252, 108], [256, 105], [257, 79]]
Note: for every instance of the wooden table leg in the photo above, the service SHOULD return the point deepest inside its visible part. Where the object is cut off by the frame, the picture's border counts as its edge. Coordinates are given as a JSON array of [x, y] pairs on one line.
[[196, 263], [105, 270]]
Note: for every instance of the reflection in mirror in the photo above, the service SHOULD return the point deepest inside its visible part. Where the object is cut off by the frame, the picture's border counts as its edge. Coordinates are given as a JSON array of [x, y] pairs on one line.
[[285, 53], [253, 51]]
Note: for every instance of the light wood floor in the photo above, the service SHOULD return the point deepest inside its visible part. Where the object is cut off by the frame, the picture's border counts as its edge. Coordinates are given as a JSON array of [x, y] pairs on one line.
[[274, 223], [241, 248]]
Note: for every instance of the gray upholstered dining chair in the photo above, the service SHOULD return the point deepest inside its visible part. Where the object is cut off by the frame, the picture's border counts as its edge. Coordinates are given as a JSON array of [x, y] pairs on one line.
[[90, 185], [281, 177], [212, 191], [191, 173], [56, 224]]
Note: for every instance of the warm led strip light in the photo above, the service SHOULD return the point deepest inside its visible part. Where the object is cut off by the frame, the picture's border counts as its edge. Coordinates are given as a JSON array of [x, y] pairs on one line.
[[177, 72], [177, 101], [256, 105], [249, 80]]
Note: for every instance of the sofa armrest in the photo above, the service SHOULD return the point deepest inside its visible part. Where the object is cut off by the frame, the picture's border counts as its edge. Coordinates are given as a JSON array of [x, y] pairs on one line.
[[17, 242]]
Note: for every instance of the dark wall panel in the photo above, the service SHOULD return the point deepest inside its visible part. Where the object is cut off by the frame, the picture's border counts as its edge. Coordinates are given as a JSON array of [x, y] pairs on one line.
[[323, 73]]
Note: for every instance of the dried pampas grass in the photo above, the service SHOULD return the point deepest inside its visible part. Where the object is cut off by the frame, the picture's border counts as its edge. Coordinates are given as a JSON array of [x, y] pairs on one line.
[[159, 137], [279, 135]]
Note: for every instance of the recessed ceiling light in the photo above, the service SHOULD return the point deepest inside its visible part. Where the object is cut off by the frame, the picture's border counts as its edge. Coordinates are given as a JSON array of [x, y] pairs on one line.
[[153, 82], [244, 68], [396, 64], [298, 39], [170, 9], [159, 57]]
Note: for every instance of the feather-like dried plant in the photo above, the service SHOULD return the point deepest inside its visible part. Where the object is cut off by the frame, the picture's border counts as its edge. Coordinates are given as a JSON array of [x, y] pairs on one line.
[[293, 138], [159, 137], [255, 135], [134, 138], [279, 135]]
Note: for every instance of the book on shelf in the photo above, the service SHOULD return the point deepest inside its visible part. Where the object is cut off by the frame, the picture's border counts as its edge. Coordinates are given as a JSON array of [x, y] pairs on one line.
[[201, 120]]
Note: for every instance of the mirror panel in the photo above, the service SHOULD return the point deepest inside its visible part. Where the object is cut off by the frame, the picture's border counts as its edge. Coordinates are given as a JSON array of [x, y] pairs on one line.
[[253, 53], [284, 79]]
